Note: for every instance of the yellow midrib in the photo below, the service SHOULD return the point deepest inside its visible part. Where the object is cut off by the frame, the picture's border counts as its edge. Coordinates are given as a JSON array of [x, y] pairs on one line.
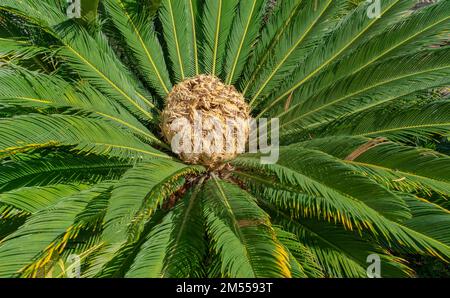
[[402, 128], [235, 223], [152, 62], [109, 82], [99, 113], [247, 26], [175, 33], [291, 50], [266, 55], [326, 62], [358, 92], [216, 37], [194, 36], [31, 99], [391, 49], [132, 149]]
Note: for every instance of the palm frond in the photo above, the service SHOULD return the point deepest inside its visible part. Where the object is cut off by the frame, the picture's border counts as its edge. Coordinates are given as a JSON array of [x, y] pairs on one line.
[[429, 219], [242, 234], [90, 55], [379, 84], [149, 262], [340, 253], [140, 192], [302, 260], [27, 89], [87, 135], [284, 14], [295, 172], [33, 199], [421, 121], [94, 59], [399, 167], [13, 49], [175, 248], [179, 30], [21, 247], [411, 35], [142, 40], [351, 31], [322, 175], [62, 168], [242, 38], [293, 46], [217, 21]]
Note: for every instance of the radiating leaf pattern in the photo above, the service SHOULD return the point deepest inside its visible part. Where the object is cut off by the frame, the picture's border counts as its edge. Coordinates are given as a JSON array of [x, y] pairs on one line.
[[362, 167]]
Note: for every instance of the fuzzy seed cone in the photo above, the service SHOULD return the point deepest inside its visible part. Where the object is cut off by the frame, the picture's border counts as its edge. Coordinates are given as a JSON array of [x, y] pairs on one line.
[[220, 109]]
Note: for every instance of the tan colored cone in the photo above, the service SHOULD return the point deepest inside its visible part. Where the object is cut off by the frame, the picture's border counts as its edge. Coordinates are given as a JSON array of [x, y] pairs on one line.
[[206, 96]]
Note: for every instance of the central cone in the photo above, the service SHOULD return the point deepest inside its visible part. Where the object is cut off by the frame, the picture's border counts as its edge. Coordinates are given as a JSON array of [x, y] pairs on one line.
[[206, 121]]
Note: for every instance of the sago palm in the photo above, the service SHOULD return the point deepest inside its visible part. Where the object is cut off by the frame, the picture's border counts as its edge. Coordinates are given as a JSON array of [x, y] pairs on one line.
[[88, 178]]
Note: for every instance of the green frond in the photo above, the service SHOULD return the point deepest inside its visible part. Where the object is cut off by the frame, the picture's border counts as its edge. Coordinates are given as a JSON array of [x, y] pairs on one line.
[[411, 35], [39, 231], [114, 261], [340, 253], [141, 38], [351, 31], [94, 60], [331, 206], [27, 89], [88, 55], [45, 12], [34, 199], [140, 192], [242, 234], [243, 35], [407, 169], [13, 49], [429, 219], [285, 12], [381, 220], [149, 262], [293, 46], [217, 21], [303, 262], [399, 167], [401, 123], [320, 174], [86, 135], [62, 168], [179, 29], [176, 247], [381, 83]]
